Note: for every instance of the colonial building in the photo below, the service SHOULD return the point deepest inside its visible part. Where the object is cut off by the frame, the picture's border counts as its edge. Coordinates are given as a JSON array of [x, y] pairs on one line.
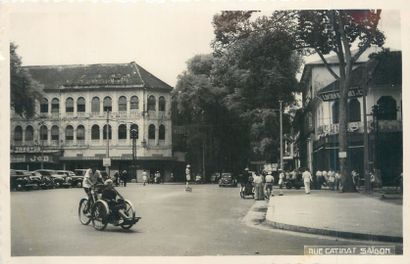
[[378, 80], [87, 114]]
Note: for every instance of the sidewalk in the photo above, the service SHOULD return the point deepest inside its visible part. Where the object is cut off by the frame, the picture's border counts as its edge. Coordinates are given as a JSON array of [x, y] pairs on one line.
[[347, 215]]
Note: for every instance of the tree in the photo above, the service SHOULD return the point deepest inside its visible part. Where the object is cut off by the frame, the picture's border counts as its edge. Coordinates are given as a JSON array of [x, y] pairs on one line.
[[314, 31], [257, 68], [24, 90], [211, 129], [340, 31]]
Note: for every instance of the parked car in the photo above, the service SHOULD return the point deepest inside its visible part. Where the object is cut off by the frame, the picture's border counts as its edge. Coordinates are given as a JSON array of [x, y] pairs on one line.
[[58, 180], [20, 180], [227, 179], [43, 181], [68, 177]]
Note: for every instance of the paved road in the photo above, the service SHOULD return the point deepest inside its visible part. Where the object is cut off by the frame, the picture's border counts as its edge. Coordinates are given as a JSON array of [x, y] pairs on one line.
[[207, 221]]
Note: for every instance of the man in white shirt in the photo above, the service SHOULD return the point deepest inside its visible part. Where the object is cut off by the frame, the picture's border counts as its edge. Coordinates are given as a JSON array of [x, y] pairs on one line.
[[307, 178], [319, 179], [269, 184]]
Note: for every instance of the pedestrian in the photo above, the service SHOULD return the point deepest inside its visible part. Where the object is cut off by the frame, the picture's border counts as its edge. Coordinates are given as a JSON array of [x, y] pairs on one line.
[[144, 177], [157, 177], [338, 180], [258, 181], [117, 178], [187, 178], [319, 179], [269, 184], [124, 177], [307, 179], [281, 178], [331, 180], [325, 177], [355, 178]]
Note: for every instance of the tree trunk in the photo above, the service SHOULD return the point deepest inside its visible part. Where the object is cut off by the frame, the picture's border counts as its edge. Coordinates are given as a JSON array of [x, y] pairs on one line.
[[347, 180]]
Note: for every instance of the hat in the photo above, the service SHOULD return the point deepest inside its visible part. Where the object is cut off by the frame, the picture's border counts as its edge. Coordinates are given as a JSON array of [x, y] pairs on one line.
[[188, 166], [108, 182]]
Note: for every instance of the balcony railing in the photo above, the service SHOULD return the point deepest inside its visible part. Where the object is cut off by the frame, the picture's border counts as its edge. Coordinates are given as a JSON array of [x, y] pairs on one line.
[[357, 127]]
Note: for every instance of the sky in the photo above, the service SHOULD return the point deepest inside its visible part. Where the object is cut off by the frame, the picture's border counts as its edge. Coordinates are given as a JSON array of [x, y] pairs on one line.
[[160, 38]]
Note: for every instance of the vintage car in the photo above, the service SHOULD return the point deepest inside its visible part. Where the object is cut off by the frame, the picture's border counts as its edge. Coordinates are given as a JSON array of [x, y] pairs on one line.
[[227, 179], [58, 180], [68, 177], [22, 180]]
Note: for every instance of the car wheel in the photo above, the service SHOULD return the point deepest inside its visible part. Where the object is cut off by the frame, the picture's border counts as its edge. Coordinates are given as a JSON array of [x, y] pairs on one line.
[[79, 184]]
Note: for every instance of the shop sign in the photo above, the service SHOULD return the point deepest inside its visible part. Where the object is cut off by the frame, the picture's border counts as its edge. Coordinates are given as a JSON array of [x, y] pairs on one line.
[[26, 149], [333, 95], [32, 158], [106, 162]]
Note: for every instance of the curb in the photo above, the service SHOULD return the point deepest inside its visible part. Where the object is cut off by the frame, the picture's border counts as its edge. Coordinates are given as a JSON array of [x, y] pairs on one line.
[[334, 233]]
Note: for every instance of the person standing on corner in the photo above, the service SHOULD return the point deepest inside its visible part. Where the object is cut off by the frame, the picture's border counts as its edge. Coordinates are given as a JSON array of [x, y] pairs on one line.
[[187, 177], [307, 179], [124, 177]]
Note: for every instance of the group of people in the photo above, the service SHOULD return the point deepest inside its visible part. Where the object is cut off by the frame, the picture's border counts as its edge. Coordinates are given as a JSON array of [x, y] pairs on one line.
[[153, 178], [261, 181], [330, 178], [121, 178]]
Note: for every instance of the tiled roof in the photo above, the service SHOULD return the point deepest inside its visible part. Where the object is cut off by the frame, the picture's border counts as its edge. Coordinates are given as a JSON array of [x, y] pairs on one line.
[[95, 75], [385, 69]]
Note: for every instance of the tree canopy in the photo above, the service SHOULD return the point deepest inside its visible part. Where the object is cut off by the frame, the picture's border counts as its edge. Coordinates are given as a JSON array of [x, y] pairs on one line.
[[24, 90]]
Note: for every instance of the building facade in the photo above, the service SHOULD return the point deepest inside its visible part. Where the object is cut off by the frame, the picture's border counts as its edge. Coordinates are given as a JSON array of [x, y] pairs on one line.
[[380, 76], [87, 114]]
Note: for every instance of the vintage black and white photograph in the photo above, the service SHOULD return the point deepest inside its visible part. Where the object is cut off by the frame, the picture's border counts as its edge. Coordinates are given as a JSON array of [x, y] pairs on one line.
[[193, 129]]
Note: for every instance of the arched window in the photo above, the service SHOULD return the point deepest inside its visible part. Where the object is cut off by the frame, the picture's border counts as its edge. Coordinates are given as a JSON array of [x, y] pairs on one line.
[[122, 131], [353, 110], [134, 126], [134, 103], [161, 102], [55, 105], [151, 103], [105, 132], [29, 133], [43, 133], [151, 132], [122, 104], [107, 104], [44, 105], [55, 133], [387, 108], [335, 112], [69, 105], [80, 105], [69, 133], [80, 135], [18, 134], [95, 105], [161, 135], [95, 132]]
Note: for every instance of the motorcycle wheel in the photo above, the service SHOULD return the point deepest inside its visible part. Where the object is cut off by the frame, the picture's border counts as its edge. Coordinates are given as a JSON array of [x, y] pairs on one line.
[[85, 220], [130, 212], [100, 215]]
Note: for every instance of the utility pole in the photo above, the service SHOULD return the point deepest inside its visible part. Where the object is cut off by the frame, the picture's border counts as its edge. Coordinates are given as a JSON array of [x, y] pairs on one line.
[[365, 135], [281, 134], [107, 168], [134, 151]]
